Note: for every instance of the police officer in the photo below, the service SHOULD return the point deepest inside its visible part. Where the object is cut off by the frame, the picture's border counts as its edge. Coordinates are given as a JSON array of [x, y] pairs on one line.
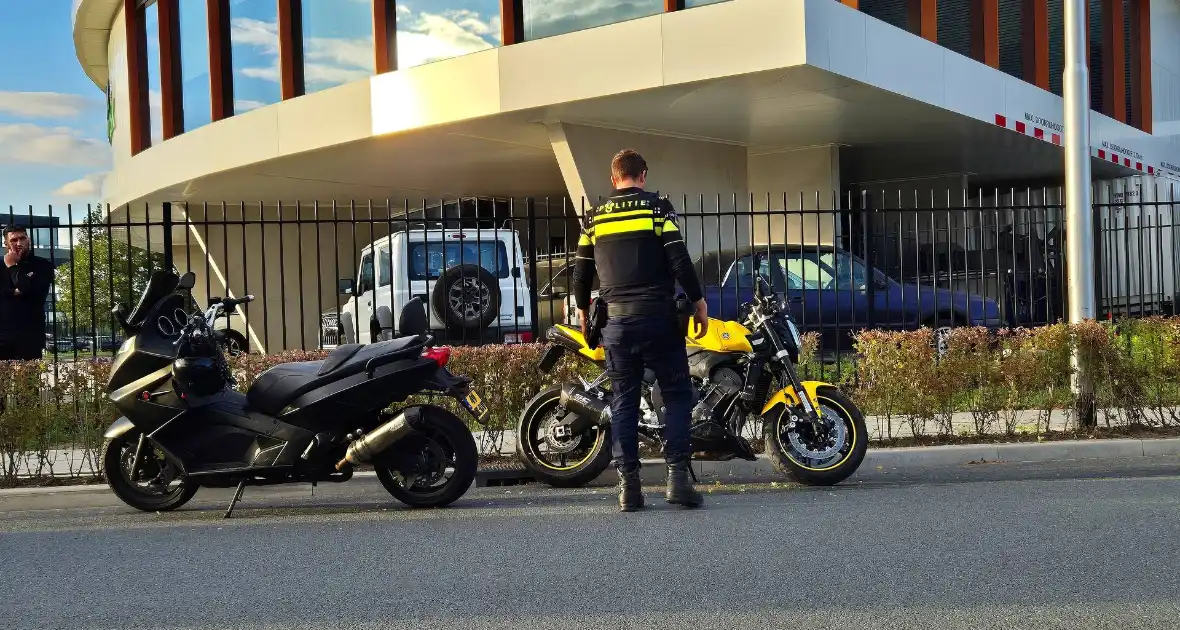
[[634, 245]]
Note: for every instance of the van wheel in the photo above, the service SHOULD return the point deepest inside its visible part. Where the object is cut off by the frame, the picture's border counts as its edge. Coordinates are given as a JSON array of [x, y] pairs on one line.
[[466, 297]]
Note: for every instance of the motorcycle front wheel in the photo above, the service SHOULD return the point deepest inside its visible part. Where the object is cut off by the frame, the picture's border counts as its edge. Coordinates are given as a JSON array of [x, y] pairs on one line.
[[818, 460], [569, 462], [159, 485]]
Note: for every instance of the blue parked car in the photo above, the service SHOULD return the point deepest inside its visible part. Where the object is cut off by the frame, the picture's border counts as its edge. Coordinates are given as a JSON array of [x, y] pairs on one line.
[[827, 291]]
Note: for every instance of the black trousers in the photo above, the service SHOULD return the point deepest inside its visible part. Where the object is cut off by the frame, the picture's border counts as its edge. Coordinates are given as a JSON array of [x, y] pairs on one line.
[[632, 344]]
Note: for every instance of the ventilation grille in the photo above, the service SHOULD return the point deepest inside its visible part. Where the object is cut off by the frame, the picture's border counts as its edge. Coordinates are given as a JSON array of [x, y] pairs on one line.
[[1011, 51], [893, 12], [954, 25]]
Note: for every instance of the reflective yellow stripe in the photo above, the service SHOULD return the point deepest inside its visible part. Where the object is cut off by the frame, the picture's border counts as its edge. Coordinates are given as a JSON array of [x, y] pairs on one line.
[[666, 226], [584, 240], [629, 213], [624, 227]]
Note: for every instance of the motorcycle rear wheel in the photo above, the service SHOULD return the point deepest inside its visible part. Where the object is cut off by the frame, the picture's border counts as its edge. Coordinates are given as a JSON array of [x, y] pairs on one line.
[[585, 461], [829, 471], [117, 456], [445, 443]]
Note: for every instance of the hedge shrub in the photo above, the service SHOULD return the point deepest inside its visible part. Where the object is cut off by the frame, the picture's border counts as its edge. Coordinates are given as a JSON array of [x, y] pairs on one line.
[[52, 408], [996, 378]]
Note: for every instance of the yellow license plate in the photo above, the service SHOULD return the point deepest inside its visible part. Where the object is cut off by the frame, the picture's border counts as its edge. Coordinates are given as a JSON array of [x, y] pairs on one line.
[[475, 405]]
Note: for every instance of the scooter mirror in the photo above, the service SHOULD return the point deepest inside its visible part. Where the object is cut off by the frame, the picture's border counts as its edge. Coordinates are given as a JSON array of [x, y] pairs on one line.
[[188, 280]]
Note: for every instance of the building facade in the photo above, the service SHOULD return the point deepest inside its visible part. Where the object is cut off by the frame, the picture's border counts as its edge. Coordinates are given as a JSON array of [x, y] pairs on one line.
[[754, 101]]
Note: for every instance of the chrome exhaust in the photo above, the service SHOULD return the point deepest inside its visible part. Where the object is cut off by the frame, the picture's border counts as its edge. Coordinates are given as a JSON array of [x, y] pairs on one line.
[[364, 449]]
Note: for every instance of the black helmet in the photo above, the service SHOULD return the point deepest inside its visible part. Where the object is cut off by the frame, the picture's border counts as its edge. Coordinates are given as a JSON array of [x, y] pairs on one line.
[[198, 376]]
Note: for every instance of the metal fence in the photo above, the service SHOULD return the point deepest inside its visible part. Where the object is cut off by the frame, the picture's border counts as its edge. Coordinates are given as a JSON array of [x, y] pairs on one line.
[[499, 270]]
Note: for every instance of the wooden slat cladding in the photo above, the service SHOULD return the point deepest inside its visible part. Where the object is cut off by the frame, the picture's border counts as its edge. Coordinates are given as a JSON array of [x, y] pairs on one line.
[[138, 106], [1035, 40], [985, 32], [290, 24], [385, 35], [171, 83], [922, 18], [511, 22], [1140, 114], [221, 74], [1114, 89]]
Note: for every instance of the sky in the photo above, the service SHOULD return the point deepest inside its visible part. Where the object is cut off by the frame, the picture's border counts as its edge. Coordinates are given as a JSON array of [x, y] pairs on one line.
[[53, 144]]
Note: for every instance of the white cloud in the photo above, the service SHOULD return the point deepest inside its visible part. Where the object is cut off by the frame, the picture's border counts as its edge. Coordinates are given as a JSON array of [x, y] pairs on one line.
[[44, 104], [432, 36], [26, 143], [156, 115], [243, 105], [257, 33], [266, 73], [88, 186]]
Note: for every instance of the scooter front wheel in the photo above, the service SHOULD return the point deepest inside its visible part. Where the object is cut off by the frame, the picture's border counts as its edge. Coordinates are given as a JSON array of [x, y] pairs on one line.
[[158, 486]]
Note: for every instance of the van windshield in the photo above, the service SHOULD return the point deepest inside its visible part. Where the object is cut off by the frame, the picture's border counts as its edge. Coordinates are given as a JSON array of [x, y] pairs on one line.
[[429, 260]]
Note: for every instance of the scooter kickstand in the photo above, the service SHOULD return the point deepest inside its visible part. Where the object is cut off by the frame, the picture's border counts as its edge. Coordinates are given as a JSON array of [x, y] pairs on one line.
[[237, 497]]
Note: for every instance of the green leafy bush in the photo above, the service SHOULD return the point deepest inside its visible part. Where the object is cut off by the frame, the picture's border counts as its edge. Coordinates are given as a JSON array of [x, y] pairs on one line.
[[1012, 381]]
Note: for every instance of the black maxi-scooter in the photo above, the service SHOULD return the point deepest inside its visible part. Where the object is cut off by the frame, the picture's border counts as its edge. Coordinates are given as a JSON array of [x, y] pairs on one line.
[[298, 422]]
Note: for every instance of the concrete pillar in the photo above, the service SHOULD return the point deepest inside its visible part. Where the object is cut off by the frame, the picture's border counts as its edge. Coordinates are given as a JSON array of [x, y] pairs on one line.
[[795, 193], [701, 178]]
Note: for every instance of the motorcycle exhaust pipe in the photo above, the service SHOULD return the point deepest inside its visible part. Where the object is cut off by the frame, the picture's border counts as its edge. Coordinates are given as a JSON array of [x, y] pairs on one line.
[[364, 449], [588, 410]]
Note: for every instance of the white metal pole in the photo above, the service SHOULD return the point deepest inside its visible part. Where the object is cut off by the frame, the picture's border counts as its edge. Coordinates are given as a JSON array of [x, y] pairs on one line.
[[1079, 225]]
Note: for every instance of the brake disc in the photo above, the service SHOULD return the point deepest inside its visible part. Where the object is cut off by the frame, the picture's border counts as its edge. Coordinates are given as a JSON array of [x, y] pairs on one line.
[[558, 444], [819, 447]]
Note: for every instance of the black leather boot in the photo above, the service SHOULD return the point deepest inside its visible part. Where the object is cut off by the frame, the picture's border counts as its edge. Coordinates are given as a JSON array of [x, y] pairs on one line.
[[680, 491], [630, 489]]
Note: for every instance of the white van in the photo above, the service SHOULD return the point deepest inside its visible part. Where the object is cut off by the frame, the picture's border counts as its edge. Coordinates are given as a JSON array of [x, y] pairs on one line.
[[472, 283]]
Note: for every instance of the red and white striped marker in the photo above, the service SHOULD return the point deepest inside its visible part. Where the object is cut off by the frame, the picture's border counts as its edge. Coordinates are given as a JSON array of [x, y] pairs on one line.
[[1020, 126], [1055, 138]]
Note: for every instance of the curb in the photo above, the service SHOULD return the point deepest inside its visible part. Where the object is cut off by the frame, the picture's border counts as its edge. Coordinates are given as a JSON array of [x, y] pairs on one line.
[[761, 471]]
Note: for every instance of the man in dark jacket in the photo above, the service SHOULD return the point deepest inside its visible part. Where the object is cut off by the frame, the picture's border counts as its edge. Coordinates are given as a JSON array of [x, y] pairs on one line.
[[635, 246], [24, 285]]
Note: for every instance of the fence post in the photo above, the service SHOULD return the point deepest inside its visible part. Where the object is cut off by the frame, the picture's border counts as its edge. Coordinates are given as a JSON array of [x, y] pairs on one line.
[[1096, 217], [868, 221], [167, 236], [531, 214]]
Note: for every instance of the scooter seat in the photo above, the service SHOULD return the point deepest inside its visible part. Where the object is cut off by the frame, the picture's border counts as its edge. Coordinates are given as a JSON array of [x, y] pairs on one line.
[[284, 383]]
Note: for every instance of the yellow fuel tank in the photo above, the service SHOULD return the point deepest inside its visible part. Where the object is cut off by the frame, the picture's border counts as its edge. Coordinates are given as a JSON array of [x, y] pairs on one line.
[[723, 336]]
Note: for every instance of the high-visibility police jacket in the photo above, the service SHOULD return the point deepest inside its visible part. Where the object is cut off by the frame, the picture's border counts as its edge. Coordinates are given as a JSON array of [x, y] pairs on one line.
[[635, 246]]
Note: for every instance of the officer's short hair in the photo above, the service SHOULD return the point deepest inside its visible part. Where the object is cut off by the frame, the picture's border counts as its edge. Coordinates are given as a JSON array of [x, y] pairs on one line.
[[627, 164]]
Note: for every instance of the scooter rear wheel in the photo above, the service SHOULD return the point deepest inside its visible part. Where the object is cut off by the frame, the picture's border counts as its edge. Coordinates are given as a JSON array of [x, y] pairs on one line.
[[160, 487], [445, 445]]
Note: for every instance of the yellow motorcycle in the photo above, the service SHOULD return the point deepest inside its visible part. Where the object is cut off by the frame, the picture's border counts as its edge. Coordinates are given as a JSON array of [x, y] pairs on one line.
[[563, 437]]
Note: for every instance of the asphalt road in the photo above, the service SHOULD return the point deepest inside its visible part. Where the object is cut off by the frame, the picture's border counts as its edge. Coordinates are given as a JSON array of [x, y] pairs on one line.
[[1063, 545]]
